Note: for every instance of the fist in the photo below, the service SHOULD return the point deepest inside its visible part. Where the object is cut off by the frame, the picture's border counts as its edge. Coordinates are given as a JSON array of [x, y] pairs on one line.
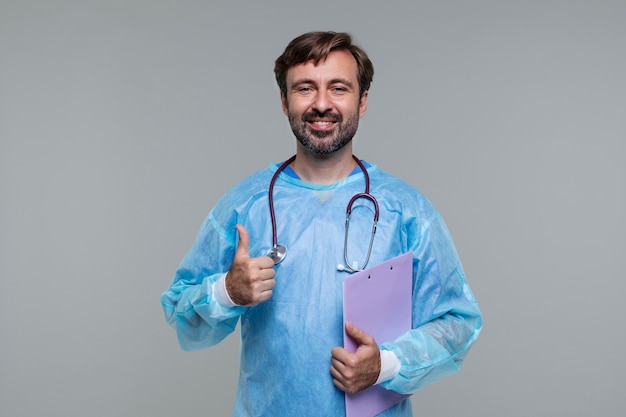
[[249, 280], [353, 372]]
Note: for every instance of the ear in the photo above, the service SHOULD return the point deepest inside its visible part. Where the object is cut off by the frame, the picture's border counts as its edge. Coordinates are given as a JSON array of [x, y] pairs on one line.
[[284, 104], [363, 103]]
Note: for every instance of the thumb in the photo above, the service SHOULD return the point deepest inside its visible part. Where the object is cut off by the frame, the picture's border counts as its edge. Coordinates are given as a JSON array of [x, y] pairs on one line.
[[244, 241], [359, 336]]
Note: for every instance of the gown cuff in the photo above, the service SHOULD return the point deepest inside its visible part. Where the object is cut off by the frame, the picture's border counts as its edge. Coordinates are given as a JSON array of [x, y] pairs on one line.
[[220, 293], [389, 366]]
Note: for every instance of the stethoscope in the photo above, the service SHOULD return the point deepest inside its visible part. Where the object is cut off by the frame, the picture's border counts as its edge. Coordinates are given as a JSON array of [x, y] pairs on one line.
[[277, 252]]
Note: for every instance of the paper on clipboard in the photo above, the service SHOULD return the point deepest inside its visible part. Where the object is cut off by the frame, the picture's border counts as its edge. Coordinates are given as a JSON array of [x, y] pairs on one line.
[[378, 301]]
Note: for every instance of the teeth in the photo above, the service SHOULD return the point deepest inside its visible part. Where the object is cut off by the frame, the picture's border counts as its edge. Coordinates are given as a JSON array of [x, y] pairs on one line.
[[323, 123]]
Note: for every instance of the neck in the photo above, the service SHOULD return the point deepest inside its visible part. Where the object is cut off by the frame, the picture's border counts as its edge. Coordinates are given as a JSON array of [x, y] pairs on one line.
[[323, 169]]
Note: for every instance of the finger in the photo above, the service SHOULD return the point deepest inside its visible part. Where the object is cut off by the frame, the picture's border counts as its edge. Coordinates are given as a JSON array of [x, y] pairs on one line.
[[265, 262], [338, 368], [340, 354], [343, 383], [266, 285], [336, 374], [261, 269], [340, 385], [244, 241], [338, 377], [342, 361], [359, 336]]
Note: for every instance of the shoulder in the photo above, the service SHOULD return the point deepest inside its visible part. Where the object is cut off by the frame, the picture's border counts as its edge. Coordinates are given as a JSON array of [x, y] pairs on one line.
[[388, 186], [397, 195], [234, 205], [241, 196], [247, 189], [417, 212]]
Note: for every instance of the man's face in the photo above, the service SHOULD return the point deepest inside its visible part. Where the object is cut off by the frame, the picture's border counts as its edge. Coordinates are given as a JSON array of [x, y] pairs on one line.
[[323, 103]]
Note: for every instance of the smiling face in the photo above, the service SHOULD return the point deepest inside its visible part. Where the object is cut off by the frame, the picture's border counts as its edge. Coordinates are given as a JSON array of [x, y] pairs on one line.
[[323, 102]]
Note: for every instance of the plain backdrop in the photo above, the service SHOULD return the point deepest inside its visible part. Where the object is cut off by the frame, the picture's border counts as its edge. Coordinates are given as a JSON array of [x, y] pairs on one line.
[[123, 122]]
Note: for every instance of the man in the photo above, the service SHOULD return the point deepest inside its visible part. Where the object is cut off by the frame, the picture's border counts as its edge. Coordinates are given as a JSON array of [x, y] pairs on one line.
[[291, 312]]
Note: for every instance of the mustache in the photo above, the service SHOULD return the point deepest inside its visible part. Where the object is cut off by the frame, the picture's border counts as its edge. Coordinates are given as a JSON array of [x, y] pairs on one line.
[[315, 115]]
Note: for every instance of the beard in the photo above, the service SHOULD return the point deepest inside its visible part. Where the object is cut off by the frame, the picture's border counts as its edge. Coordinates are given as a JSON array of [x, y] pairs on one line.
[[324, 142]]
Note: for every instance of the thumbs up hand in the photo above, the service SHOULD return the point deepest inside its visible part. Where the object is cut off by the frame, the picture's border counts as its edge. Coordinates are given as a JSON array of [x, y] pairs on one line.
[[249, 280]]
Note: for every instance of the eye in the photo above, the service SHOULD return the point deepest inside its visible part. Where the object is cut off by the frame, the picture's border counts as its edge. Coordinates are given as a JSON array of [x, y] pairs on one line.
[[305, 90]]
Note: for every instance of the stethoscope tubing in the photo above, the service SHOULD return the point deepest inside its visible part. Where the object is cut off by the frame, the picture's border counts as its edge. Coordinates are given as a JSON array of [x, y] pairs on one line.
[[271, 197], [277, 252]]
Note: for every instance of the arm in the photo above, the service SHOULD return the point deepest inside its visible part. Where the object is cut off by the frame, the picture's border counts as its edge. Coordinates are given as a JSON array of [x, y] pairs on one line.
[[190, 303], [203, 303], [446, 317]]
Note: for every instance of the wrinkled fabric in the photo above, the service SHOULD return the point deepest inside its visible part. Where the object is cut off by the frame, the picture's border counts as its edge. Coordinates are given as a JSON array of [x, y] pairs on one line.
[[286, 341]]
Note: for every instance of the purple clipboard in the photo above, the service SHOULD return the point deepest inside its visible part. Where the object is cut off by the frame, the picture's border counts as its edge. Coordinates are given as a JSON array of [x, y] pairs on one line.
[[378, 300]]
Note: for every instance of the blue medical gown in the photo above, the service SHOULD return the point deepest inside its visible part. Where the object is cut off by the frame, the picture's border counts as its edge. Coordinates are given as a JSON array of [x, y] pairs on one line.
[[286, 341]]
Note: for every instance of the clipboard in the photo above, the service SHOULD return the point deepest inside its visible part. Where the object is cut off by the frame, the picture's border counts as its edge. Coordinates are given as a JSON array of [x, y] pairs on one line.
[[378, 300]]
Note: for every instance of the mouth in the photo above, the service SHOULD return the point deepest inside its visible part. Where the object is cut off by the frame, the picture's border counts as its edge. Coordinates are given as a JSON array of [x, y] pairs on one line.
[[322, 124]]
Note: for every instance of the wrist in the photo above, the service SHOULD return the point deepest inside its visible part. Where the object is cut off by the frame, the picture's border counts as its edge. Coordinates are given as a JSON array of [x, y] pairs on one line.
[[221, 293]]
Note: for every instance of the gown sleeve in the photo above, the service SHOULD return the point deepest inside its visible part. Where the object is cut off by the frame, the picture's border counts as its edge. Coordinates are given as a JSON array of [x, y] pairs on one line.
[[446, 317], [189, 303]]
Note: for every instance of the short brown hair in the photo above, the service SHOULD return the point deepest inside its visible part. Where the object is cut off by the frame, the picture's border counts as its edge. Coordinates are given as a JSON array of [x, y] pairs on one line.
[[315, 46]]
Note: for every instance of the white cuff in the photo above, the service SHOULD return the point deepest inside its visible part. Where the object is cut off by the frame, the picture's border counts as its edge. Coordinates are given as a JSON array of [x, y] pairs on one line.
[[389, 366], [220, 293]]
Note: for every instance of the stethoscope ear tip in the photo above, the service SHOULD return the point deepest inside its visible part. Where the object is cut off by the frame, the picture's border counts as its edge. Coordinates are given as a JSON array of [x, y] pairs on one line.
[[342, 267]]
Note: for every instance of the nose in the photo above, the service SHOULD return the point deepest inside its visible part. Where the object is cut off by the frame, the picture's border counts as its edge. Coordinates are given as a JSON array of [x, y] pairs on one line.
[[323, 102]]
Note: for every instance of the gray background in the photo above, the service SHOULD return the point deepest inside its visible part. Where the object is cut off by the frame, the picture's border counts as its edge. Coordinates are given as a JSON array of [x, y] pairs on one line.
[[122, 122]]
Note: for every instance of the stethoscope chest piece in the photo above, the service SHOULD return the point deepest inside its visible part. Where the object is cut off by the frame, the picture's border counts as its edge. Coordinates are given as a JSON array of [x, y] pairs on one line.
[[277, 253]]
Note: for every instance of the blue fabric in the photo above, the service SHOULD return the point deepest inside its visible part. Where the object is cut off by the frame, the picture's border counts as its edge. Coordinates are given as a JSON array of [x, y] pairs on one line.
[[286, 341]]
